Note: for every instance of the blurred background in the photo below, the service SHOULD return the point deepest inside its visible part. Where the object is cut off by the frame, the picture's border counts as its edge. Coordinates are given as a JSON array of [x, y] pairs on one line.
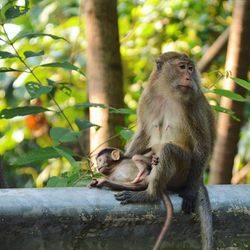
[[87, 63]]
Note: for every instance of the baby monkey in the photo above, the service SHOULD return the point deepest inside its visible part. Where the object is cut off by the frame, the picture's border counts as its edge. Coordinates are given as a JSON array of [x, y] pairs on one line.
[[124, 173]]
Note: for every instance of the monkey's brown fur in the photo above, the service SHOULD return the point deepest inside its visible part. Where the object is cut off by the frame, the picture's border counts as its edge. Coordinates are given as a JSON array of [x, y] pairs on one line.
[[175, 118]]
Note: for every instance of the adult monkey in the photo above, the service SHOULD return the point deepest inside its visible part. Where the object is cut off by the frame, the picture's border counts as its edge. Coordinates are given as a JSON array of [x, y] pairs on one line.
[[175, 117]]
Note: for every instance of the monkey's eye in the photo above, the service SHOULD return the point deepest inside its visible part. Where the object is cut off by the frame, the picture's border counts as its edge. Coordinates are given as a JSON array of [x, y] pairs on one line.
[[190, 68], [182, 66], [158, 65]]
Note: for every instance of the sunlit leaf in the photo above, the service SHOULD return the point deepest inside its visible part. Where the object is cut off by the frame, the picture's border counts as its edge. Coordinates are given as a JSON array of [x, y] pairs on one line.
[[57, 181], [65, 89], [36, 89], [5, 54], [28, 53], [10, 10], [124, 111], [84, 124], [63, 135], [229, 94], [5, 69], [91, 105], [37, 155], [226, 111], [64, 153], [241, 82], [61, 86], [126, 134], [63, 65], [21, 111], [39, 34]]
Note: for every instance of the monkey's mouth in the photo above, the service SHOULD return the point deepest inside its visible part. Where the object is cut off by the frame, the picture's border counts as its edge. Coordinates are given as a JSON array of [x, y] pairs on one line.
[[104, 169], [185, 87]]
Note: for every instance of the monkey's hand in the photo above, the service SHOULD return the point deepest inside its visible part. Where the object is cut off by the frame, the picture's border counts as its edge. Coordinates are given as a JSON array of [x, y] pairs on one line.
[[189, 201], [93, 183], [97, 183], [154, 160]]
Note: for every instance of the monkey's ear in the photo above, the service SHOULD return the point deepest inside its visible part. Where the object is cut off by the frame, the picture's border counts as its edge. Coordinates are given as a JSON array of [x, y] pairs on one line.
[[116, 154], [159, 64]]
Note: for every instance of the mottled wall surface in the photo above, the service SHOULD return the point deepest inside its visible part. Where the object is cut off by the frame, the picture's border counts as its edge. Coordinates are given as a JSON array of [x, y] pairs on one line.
[[82, 218]]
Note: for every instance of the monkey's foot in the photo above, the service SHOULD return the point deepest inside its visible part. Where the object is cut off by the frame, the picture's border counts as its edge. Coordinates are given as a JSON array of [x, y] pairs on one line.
[[126, 197]]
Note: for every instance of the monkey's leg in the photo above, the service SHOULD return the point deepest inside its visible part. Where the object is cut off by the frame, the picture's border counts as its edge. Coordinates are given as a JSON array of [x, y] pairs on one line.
[[203, 208], [171, 157], [194, 180], [142, 162]]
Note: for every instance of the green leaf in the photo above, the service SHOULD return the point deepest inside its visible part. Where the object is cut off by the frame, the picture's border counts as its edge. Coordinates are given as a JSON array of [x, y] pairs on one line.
[[124, 111], [83, 182], [65, 89], [126, 134], [21, 111], [85, 124], [226, 111], [229, 94], [29, 53], [64, 153], [61, 86], [36, 89], [10, 10], [5, 69], [39, 34], [57, 181], [5, 54], [63, 135], [37, 155], [241, 82], [91, 105], [63, 65]]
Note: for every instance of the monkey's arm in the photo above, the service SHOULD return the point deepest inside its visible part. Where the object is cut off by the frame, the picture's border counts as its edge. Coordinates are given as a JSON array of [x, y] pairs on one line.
[[204, 137], [119, 187]]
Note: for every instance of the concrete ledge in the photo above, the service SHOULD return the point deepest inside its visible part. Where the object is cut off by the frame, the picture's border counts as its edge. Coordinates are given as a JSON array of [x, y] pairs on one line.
[[82, 218]]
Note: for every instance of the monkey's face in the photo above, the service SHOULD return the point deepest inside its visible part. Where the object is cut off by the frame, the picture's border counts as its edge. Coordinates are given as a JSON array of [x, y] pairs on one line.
[[178, 76], [104, 164]]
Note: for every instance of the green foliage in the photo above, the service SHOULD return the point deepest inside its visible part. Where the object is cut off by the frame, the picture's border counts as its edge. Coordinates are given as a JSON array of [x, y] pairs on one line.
[[5, 54], [63, 135], [63, 65], [36, 89], [57, 181], [21, 111], [229, 94], [11, 10], [242, 83], [40, 154], [85, 124], [28, 54], [37, 34]]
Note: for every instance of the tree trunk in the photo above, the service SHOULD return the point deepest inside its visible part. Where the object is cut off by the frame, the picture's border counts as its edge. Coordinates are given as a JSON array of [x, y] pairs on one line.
[[104, 70], [237, 62], [212, 52]]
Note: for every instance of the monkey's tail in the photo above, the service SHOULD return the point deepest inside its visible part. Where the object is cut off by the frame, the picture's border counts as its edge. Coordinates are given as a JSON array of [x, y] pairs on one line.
[[169, 208], [206, 220]]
